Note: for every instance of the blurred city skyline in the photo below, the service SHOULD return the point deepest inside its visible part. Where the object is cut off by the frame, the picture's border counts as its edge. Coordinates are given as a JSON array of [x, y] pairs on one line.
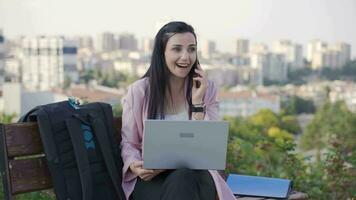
[[223, 21]]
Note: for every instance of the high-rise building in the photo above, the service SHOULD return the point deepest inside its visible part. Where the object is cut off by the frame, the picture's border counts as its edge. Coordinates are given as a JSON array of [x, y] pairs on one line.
[[85, 42], [273, 66], [48, 61], [293, 53], [315, 46], [106, 42], [258, 48], [2, 58], [147, 45], [345, 52], [208, 48], [242, 46], [127, 42], [12, 70], [332, 56]]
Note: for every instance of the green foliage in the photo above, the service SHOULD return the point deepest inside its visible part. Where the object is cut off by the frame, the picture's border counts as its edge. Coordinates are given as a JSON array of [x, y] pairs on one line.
[[43, 195], [35, 196], [290, 123], [265, 119], [329, 120], [340, 174], [258, 143], [347, 72], [298, 77], [110, 78], [117, 110], [263, 145], [5, 118], [297, 105]]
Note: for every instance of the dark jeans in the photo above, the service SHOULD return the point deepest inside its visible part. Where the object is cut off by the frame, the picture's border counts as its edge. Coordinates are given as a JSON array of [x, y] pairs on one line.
[[176, 185]]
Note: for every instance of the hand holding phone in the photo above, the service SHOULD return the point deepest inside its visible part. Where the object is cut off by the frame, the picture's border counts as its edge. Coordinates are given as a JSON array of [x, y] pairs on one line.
[[197, 83]]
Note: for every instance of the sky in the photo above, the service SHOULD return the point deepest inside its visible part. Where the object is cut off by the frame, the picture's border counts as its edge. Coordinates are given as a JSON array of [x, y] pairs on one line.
[[222, 21]]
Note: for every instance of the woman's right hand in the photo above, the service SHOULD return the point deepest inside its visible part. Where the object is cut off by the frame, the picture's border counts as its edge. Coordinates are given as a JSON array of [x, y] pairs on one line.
[[145, 174]]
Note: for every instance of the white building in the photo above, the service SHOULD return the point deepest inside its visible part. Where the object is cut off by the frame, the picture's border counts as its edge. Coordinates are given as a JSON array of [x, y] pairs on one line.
[[344, 51], [208, 48], [127, 42], [292, 52], [147, 45], [85, 42], [2, 58], [315, 46], [343, 91], [12, 70], [247, 75], [125, 66], [242, 46], [273, 66], [47, 61], [222, 74], [246, 103], [105, 42], [258, 48], [19, 101], [240, 60], [323, 55]]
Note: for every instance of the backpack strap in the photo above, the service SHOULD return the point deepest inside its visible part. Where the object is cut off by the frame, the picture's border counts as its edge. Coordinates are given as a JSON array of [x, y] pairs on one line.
[[109, 118], [50, 148], [81, 157], [104, 142]]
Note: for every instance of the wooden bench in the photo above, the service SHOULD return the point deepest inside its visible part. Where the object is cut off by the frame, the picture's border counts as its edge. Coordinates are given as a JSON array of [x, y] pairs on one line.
[[23, 164]]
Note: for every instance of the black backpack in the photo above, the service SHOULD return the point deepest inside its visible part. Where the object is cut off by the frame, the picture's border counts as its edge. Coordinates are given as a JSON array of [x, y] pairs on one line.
[[82, 154]]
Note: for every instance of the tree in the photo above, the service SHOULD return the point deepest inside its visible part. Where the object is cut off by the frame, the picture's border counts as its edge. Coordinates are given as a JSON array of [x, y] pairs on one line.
[[6, 118], [265, 119], [254, 149], [297, 105], [331, 119], [290, 123]]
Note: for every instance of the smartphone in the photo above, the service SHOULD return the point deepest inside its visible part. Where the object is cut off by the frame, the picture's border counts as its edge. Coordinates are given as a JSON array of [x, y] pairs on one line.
[[197, 83]]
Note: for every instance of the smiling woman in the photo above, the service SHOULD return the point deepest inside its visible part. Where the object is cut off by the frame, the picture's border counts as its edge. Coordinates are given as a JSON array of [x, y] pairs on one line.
[[175, 87], [181, 54]]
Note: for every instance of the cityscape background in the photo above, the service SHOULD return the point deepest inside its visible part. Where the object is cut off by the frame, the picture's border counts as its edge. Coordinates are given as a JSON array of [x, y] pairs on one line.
[[49, 49], [283, 60]]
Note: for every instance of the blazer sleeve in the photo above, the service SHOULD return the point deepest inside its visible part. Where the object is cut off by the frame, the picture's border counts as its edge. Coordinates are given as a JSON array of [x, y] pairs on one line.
[[211, 103], [130, 143]]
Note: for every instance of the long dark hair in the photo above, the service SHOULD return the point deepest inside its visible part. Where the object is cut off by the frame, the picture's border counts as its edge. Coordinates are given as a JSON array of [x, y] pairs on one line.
[[158, 72]]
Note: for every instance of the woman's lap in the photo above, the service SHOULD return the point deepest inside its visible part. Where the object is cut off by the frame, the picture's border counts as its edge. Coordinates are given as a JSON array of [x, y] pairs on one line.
[[176, 184]]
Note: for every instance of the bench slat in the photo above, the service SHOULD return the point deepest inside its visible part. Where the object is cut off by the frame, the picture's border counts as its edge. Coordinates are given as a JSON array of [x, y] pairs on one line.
[[22, 139], [29, 175]]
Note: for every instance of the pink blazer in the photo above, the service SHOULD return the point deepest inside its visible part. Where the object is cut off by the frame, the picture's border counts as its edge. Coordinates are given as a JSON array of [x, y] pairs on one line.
[[134, 114]]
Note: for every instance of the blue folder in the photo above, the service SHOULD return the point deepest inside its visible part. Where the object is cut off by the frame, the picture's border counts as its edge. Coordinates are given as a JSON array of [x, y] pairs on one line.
[[257, 186]]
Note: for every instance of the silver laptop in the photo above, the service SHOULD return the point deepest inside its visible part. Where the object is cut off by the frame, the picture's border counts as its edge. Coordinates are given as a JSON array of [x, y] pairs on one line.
[[185, 144]]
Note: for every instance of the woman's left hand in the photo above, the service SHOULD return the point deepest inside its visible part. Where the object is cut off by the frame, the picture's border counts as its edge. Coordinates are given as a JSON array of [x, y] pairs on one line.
[[154, 174], [198, 92]]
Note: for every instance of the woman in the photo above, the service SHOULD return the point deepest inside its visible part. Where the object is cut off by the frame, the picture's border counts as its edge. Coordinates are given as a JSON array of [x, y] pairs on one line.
[[174, 88]]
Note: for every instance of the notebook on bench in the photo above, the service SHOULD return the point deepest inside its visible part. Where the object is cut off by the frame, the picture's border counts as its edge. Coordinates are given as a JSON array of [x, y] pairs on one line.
[[257, 186]]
